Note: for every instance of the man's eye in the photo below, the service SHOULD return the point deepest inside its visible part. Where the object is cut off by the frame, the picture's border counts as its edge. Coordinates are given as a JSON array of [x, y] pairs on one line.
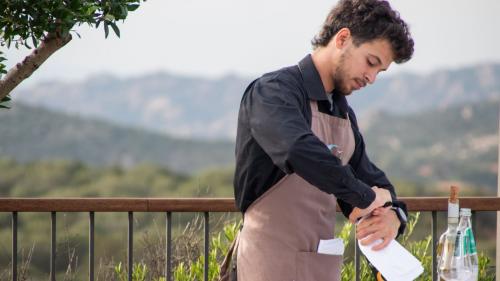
[[370, 63]]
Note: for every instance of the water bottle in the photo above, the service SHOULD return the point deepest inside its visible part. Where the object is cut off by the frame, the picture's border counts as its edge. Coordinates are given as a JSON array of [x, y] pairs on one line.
[[469, 243], [452, 264]]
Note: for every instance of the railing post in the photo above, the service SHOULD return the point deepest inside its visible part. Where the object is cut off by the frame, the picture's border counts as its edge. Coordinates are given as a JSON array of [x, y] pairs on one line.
[[14, 246], [207, 245], [91, 246], [357, 271], [474, 223], [434, 245], [130, 250], [53, 247], [168, 243]]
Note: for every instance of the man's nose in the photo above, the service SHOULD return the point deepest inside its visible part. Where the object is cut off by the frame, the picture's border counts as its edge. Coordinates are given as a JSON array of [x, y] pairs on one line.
[[370, 77]]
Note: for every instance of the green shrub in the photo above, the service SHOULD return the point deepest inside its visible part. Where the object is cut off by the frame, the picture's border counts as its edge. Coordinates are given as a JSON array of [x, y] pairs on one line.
[[186, 270], [421, 249]]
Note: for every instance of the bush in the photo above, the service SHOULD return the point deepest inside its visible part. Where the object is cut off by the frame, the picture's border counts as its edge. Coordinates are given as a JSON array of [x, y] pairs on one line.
[[193, 270], [188, 264]]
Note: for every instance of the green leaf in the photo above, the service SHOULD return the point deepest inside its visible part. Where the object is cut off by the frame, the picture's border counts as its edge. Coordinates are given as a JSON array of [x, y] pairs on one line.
[[106, 29], [115, 28], [109, 17], [132, 7], [91, 10], [5, 102], [35, 42], [124, 11]]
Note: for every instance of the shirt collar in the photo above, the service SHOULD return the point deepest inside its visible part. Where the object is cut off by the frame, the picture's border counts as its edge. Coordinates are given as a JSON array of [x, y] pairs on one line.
[[312, 80], [314, 86]]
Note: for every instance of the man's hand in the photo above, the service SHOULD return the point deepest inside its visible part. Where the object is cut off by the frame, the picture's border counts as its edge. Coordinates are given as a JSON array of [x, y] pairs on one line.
[[382, 224], [382, 196]]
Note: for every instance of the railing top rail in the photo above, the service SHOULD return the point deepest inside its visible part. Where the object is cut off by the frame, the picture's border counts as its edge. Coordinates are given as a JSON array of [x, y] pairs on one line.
[[117, 204]]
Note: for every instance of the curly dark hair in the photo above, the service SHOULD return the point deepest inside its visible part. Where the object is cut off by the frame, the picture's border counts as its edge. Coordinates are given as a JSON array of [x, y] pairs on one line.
[[368, 20]]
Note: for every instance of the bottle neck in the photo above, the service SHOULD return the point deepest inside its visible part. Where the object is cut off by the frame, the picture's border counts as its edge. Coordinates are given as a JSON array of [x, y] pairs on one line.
[[465, 221], [453, 212], [452, 223]]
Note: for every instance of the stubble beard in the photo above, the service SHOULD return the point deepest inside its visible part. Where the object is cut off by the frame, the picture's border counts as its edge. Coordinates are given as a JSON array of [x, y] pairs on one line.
[[340, 79]]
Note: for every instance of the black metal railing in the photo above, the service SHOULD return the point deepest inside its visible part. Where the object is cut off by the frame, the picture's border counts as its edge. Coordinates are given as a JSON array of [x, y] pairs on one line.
[[201, 205]]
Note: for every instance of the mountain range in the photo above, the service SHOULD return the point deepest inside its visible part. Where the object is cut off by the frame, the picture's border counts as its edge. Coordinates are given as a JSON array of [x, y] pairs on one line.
[[457, 144], [196, 107], [438, 127]]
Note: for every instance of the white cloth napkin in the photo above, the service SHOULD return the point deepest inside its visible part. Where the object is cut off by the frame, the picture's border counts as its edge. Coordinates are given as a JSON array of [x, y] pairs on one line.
[[394, 261]]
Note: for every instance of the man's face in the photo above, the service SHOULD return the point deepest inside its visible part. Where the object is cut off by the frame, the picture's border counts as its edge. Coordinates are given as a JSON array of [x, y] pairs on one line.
[[360, 65]]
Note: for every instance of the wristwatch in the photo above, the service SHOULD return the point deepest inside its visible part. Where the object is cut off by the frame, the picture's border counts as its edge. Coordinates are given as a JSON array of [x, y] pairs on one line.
[[402, 218]]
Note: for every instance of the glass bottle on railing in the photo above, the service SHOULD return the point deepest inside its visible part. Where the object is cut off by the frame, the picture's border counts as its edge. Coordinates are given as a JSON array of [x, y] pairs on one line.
[[451, 262], [469, 243]]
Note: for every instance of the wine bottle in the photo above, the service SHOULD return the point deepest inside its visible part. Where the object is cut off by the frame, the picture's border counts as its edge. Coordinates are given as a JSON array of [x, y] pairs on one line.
[[451, 265], [469, 243]]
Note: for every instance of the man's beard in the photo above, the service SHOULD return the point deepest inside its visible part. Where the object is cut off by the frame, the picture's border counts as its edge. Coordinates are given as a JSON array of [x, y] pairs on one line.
[[340, 79]]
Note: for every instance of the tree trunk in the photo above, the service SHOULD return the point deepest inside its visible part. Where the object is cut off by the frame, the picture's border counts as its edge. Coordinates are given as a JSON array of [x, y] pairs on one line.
[[24, 69]]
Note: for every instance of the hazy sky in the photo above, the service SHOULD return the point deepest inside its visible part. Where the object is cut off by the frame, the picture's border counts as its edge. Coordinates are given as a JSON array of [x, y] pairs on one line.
[[249, 37]]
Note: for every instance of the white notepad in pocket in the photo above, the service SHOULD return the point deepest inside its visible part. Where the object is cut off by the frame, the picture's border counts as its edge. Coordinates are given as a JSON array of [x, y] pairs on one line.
[[331, 247]]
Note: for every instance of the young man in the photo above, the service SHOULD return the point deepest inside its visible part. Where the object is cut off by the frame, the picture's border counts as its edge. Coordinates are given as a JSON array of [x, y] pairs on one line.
[[299, 150]]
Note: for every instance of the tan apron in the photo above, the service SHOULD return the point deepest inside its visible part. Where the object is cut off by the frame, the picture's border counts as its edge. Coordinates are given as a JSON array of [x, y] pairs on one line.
[[282, 228]]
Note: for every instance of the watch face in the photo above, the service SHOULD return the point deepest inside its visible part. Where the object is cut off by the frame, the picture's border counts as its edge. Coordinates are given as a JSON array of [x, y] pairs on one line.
[[401, 214]]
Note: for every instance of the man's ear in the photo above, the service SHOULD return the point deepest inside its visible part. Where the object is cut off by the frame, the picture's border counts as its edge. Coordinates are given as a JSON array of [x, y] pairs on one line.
[[342, 38]]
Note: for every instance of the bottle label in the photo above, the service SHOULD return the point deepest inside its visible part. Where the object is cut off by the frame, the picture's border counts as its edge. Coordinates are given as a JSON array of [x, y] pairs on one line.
[[452, 210], [471, 249], [466, 242]]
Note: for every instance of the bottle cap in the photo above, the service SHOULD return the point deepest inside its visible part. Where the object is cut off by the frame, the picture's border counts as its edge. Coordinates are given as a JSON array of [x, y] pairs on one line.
[[454, 194], [465, 212]]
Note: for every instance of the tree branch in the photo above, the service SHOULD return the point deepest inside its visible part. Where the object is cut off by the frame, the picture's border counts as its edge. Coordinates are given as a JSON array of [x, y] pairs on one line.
[[24, 69]]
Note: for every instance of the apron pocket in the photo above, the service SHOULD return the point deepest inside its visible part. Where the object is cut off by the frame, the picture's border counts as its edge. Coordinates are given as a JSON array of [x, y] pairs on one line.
[[312, 266]]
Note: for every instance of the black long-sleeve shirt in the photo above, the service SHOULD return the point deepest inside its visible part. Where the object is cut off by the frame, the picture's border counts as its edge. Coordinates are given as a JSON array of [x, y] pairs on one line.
[[274, 138]]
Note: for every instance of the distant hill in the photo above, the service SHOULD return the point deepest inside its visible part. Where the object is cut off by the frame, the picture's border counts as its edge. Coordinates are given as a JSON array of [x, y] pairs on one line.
[[409, 93], [207, 108], [169, 104], [456, 144], [28, 133]]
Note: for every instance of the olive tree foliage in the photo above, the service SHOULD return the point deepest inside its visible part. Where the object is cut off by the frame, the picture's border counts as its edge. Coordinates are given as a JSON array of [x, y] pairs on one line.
[[45, 26]]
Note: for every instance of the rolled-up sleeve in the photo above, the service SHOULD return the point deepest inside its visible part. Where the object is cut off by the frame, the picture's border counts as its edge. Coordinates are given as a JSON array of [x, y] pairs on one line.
[[274, 108]]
